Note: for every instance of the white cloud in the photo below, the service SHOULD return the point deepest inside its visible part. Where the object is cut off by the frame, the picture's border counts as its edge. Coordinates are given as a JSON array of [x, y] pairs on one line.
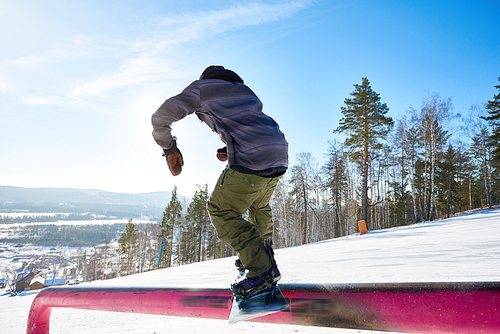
[[79, 46], [4, 87], [133, 71], [193, 26], [38, 100], [143, 58], [123, 61]]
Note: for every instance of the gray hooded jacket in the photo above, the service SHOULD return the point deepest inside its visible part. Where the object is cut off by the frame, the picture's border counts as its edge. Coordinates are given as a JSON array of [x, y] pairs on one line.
[[222, 101]]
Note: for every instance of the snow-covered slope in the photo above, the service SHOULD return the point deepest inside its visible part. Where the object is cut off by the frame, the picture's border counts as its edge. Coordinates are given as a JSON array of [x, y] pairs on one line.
[[464, 248]]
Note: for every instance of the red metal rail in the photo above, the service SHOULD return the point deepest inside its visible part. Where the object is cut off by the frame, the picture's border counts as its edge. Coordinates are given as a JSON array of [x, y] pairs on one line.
[[402, 307]]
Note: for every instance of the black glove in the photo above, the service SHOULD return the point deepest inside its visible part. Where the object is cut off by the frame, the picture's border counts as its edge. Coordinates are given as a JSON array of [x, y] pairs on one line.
[[222, 154]]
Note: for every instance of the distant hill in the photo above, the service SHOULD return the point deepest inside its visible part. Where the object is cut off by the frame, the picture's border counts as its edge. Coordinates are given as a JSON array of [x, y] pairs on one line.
[[83, 200], [70, 195]]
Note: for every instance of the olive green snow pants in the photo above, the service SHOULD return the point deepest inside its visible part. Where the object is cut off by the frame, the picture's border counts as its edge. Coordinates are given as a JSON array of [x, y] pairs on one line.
[[235, 194]]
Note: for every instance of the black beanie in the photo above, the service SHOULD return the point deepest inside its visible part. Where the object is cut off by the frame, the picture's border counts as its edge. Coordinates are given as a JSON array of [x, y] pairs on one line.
[[219, 72]]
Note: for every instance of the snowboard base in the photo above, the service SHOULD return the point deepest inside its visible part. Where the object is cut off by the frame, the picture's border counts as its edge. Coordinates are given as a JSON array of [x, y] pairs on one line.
[[264, 303]]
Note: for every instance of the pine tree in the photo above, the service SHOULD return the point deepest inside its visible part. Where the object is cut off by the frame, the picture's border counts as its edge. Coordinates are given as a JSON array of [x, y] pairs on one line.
[[493, 119], [163, 236], [493, 108], [447, 179], [186, 241], [365, 124], [199, 223], [127, 243], [482, 154], [171, 215], [335, 170], [152, 231]]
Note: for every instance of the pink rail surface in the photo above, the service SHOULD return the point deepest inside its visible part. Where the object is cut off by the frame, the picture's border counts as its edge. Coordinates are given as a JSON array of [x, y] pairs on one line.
[[401, 307]]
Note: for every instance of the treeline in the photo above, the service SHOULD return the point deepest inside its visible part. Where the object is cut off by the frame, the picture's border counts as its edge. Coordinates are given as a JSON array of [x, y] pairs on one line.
[[48, 218], [64, 235], [428, 164], [184, 235]]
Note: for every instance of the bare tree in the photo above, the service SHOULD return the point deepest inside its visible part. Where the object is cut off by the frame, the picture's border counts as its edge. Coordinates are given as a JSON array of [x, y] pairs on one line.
[[301, 179], [282, 217], [435, 112]]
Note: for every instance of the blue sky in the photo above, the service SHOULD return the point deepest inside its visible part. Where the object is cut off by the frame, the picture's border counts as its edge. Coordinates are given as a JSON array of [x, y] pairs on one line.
[[79, 81]]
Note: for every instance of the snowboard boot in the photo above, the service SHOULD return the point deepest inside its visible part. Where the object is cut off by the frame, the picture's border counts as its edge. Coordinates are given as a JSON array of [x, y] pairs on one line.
[[241, 269], [269, 247], [248, 286], [245, 287]]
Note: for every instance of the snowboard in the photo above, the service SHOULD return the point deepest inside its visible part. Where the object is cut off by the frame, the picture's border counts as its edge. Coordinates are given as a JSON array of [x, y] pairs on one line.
[[263, 303]]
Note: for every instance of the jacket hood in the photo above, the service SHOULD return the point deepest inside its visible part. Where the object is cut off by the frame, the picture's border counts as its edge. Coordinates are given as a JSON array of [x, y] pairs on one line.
[[219, 72]]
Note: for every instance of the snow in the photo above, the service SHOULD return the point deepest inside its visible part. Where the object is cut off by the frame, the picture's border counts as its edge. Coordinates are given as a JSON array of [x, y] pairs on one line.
[[463, 248]]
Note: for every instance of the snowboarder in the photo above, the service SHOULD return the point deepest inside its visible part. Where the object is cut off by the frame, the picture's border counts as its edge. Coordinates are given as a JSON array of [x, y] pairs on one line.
[[257, 157]]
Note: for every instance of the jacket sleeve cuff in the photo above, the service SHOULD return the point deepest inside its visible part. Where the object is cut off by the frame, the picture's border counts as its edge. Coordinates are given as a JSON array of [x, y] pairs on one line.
[[170, 150]]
